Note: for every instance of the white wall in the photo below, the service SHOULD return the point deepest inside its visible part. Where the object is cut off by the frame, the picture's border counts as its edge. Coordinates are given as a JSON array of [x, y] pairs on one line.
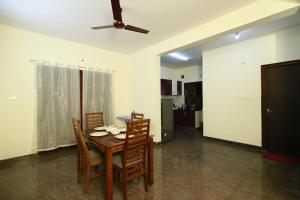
[[17, 79], [231, 89], [288, 44], [191, 73], [232, 84], [167, 73]]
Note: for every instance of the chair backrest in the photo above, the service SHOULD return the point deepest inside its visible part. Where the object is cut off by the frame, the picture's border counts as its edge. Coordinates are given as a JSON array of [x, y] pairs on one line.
[[135, 115], [93, 120], [82, 147], [134, 154]]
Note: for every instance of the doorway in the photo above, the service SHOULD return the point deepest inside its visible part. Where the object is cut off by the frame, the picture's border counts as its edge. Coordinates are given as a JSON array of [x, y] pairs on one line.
[[281, 108], [181, 95]]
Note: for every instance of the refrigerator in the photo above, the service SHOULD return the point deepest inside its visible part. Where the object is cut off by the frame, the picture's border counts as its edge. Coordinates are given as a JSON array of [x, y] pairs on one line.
[[167, 120]]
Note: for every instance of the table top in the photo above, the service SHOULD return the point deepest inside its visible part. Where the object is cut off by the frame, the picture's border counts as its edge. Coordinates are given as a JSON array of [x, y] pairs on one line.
[[107, 141]]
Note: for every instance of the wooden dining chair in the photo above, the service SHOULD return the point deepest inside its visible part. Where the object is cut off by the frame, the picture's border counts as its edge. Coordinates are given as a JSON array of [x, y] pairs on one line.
[[90, 158], [135, 115], [131, 163], [93, 120]]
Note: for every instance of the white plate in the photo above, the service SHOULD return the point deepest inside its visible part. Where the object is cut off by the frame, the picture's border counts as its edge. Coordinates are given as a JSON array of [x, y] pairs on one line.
[[100, 128], [115, 131], [98, 134], [122, 129], [121, 136], [110, 128]]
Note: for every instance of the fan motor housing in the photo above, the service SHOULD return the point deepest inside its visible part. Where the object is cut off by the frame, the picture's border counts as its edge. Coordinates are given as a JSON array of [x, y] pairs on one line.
[[119, 25]]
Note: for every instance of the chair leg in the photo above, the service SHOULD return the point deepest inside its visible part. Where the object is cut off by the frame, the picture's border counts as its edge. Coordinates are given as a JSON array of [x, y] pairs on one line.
[[119, 175], [86, 187], [96, 169], [115, 173], [124, 189], [79, 168], [145, 182]]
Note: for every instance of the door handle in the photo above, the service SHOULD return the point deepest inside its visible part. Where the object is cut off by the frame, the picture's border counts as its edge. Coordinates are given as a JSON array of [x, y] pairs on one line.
[[270, 110]]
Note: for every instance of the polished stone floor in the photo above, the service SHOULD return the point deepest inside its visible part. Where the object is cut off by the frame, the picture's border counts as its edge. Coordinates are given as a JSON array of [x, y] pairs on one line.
[[188, 168]]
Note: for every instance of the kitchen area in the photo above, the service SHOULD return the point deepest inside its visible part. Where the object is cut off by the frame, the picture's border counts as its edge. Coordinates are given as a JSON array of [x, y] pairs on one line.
[[181, 101]]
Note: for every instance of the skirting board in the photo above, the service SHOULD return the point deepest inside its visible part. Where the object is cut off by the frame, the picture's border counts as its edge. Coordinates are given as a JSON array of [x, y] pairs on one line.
[[10, 161], [243, 145]]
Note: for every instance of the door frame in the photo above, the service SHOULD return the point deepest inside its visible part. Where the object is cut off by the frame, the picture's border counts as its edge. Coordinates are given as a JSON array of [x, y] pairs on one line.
[[264, 94]]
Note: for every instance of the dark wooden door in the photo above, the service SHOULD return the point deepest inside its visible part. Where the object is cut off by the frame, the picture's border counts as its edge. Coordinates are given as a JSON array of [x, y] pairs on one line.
[[281, 108], [193, 95]]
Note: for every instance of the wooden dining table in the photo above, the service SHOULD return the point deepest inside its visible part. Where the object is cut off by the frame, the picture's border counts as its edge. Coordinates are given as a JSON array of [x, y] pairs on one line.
[[109, 145]]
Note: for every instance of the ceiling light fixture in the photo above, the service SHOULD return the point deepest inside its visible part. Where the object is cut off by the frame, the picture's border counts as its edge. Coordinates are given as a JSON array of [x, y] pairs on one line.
[[179, 56], [237, 36]]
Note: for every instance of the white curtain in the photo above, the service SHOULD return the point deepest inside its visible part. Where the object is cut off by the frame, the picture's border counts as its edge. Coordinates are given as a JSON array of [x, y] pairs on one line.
[[58, 100], [97, 94]]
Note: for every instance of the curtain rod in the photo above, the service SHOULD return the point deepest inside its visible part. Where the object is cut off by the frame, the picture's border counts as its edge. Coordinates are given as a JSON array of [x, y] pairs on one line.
[[81, 67]]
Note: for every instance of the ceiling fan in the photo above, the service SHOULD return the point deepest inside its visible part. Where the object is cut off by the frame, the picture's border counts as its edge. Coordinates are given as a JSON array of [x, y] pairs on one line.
[[119, 24]]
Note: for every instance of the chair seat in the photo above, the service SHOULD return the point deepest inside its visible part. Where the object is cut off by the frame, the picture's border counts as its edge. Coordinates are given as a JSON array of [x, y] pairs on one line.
[[96, 157], [117, 160]]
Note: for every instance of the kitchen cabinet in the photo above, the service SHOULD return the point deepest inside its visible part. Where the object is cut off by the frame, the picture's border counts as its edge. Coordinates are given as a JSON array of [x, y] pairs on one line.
[[165, 87], [187, 118], [170, 87]]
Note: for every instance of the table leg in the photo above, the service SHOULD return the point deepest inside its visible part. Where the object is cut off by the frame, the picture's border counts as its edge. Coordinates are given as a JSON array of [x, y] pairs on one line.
[[109, 175], [150, 162]]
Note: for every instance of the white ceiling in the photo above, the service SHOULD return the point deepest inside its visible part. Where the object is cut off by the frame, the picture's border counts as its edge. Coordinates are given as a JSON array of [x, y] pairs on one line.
[[195, 53], [72, 19]]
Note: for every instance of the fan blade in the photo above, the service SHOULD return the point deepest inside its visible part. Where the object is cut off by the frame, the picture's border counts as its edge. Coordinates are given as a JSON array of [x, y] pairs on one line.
[[102, 27], [136, 29], [117, 10]]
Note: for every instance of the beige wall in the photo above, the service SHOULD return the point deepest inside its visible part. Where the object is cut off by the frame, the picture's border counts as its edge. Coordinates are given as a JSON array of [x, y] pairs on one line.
[[145, 95], [17, 79]]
